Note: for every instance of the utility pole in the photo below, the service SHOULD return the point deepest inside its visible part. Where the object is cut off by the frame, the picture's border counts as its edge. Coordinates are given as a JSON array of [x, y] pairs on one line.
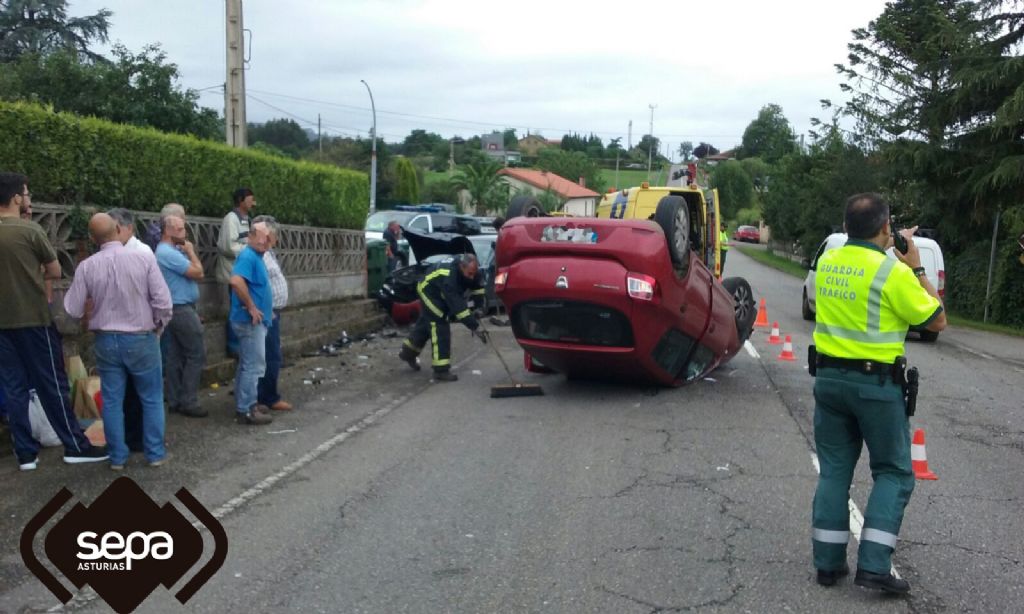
[[319, 137], [373, 153], [234, 88], [629, 136], [650, 145]]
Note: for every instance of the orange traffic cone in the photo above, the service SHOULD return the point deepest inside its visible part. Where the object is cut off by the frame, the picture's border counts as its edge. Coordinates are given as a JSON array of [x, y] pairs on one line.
[[918, 458], [774, 338], [787, 349], [762, 316]]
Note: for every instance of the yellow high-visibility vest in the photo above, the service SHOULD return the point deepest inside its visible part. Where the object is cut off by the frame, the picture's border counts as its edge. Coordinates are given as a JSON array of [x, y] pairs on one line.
[[865, 302]]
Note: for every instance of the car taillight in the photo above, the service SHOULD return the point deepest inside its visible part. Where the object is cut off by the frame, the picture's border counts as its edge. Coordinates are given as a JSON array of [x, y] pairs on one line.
[[500, 279], [640, 286], [942, 284]]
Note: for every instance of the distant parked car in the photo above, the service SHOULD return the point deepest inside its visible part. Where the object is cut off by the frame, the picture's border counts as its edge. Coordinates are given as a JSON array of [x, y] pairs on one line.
[[750, 234], [931, 260]]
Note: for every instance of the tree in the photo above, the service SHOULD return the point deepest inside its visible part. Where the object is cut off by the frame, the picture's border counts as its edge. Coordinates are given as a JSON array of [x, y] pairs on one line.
[[41, 27], [769, 136], [704, 150], [283, 134], [685, 150], [615, 145], [758, 170], [511, 140], [423, 143], [407, 185], [481, 180], [572, 165], [735, 189], [139, 89], [649, 145]]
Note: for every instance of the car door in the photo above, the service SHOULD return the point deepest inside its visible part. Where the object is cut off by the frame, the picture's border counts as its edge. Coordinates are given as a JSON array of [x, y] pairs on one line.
[[811, 274]]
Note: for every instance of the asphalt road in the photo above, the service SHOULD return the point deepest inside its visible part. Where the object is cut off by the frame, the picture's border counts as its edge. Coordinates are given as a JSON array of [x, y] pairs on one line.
[[390, 494]]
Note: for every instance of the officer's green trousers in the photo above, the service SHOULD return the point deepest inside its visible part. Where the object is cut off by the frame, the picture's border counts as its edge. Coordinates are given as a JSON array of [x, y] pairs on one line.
[[852, 409]]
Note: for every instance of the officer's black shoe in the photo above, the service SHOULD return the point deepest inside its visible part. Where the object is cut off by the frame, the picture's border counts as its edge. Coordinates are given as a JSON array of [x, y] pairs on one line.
[[409, 358], [883, 582], [830, 577], [445, 376]]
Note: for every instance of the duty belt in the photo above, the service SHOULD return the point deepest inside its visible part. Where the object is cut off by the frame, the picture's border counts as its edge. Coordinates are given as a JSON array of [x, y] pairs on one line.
[[896, 370]]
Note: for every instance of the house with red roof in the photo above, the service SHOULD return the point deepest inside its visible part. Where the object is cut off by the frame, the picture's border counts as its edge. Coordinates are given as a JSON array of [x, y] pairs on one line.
[[577, 198]]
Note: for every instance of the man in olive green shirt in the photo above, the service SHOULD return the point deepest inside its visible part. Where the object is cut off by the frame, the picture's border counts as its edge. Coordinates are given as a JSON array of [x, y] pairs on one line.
[[30, 347]]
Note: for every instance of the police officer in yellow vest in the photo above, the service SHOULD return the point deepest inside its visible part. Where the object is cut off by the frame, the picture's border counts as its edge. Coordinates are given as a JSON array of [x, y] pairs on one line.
[[443, 294], [865, 302], [723, 241]]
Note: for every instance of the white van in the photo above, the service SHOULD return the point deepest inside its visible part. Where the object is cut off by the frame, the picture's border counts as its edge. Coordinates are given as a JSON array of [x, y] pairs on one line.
[[931, 260]]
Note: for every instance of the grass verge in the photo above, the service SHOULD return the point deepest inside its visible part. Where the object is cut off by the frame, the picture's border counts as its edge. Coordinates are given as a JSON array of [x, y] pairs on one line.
[[776, 262], [788, 266]]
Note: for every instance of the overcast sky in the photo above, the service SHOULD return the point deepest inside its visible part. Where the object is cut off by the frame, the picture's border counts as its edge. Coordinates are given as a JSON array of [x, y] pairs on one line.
[[466, 67]]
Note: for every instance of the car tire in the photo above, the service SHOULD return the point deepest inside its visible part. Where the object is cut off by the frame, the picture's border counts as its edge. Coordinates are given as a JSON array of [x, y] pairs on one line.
[[805, 308], [929, 336], [745, 308], [524, 206], [673, 216]]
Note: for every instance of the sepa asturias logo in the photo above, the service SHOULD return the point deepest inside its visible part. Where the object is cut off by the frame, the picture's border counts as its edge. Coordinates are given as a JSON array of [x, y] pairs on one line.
[[124, 545]]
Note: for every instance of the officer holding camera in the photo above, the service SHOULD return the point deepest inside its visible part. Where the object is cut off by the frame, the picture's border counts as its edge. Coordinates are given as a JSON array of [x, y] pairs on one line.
[[863, 392]]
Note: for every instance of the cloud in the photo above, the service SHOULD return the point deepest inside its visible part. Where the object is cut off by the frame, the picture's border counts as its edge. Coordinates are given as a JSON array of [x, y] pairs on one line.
[[466, 67]]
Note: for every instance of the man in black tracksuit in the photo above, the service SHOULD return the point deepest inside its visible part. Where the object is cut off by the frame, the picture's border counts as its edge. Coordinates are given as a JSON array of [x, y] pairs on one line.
[[443, 294]]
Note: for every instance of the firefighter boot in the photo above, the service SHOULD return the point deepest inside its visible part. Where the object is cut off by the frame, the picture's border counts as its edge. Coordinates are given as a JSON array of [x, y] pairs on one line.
[[409, 356], [445, 376]]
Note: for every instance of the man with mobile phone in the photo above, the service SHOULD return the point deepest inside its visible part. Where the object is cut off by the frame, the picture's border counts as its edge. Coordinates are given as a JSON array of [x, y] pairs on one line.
[[866, 302]]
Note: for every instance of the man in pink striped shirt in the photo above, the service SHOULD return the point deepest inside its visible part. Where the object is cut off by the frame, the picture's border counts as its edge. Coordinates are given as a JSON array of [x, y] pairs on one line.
[[130, 306]]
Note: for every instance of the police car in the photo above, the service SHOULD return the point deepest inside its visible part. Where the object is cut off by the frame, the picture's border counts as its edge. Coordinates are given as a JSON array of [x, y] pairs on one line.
[[931, 260]]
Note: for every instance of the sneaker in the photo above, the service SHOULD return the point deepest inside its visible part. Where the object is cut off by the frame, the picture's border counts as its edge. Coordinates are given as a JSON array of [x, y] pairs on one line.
[[445, 376], [29, 465], [252, 417], [90, 455], [114, 467], [160, 462], [193, 412], [282, 406]]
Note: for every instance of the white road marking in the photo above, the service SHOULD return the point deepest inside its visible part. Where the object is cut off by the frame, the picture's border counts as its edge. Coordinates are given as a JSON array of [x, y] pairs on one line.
[[747, 345], [87, 594], [856, 518], [975, 352]]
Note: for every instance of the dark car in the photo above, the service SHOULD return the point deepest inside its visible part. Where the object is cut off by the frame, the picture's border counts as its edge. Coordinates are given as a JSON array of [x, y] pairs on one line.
[[398, 293], [748, 234], [628, 299]]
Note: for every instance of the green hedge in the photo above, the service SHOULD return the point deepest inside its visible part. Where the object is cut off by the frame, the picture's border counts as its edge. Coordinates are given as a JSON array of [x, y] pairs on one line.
[[967, 276], [79, 160]]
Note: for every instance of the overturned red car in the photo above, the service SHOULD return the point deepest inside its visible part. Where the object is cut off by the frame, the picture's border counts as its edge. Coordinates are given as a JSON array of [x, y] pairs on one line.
[[628, 299]]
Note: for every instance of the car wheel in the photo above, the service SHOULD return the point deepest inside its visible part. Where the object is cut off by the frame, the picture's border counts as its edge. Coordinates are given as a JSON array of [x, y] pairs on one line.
[[805, 308], [524, 206], [674, 218], [746, 310], [929, 336]]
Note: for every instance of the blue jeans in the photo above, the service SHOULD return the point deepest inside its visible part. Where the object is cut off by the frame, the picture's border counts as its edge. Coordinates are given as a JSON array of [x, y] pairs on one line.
[[252, 363], [121, 356], [268, 394]]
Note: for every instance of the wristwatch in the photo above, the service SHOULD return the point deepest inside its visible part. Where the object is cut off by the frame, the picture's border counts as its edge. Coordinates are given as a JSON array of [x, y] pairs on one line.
[[919, 271]]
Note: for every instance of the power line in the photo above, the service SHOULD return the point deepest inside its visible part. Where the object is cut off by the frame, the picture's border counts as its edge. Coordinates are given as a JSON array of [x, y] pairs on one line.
[[353, 130], [467, 122]]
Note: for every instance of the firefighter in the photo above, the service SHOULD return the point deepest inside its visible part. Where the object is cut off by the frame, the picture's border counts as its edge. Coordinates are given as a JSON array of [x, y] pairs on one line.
[[443, 293], [865, 303]]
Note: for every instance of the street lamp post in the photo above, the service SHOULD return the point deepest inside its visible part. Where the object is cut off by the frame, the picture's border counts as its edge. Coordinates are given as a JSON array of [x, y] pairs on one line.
[[373, 153]]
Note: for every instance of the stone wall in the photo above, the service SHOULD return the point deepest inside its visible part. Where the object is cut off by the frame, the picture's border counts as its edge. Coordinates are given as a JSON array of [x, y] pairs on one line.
[[325, 268]]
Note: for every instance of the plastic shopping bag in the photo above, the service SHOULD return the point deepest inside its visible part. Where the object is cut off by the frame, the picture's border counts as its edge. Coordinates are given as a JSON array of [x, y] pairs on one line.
[[40, 424]]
